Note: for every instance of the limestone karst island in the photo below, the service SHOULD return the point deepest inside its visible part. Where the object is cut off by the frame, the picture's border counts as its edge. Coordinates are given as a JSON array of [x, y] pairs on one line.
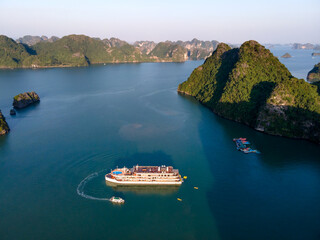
[[251, 86]]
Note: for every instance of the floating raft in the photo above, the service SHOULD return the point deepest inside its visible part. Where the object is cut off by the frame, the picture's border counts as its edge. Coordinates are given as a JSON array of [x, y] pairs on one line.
[[242, 145]]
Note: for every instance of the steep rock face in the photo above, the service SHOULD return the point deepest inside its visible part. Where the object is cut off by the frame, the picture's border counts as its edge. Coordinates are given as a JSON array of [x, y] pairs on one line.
[[198, 49], [314, 74], [114, 42], [169, 52], [23, 100], [145, 46], [251, 86], [4, 128]]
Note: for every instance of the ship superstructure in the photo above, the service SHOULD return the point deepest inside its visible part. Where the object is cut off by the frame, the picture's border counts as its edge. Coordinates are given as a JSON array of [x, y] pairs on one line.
[[145, 175]]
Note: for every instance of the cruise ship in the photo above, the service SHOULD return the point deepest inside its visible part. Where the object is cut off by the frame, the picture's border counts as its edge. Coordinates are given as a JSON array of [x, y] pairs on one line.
[[145, 175]]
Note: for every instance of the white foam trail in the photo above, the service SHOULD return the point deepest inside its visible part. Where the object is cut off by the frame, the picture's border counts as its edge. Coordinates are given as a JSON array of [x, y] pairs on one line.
[[80, 188]]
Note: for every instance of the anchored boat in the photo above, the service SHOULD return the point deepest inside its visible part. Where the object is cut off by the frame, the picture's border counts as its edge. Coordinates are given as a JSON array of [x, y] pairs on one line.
[[145, 175], [116, 200]]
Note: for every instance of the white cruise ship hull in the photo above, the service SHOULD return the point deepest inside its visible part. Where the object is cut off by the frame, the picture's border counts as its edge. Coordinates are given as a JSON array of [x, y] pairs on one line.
[[167, 183]]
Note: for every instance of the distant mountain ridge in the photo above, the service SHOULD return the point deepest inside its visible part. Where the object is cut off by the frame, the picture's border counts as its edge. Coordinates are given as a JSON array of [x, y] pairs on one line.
[[32, 40], [81, 50], [196, 49], [306, 46]]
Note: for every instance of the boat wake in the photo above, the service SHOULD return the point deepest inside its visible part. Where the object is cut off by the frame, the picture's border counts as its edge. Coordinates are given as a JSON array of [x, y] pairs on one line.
[[82, 184]]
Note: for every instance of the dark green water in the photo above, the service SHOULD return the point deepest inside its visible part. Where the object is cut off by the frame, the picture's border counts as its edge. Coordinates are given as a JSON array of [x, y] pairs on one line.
[[96, 118]]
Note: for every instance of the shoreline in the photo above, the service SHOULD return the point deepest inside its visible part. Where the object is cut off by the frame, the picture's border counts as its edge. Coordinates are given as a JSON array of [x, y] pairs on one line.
[[256, 129], [92, 64]]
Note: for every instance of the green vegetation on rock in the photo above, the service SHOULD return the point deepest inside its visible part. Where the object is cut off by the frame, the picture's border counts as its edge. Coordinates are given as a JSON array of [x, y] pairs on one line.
[[12, 54], [166, 51], [251, 86], [314, 74], [23, 100], [4, 128], [81, 50]]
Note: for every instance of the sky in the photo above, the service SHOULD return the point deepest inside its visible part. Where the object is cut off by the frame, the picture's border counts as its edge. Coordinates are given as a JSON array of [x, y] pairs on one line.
[[231, 21]]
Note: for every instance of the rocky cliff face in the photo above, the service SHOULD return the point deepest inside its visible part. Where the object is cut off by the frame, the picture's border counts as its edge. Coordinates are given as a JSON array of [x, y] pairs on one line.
[[145, 46], [166, 51], [198, 49], [314, 74], [4, 128], [114, 42], [23, 100], [251, 86]]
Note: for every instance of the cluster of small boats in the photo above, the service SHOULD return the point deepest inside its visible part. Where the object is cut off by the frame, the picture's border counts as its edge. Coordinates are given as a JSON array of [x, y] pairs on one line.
[[242, 145]]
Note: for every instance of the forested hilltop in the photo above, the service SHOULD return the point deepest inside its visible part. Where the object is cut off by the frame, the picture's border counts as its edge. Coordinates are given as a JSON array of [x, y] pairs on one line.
[[81, 50], [251, 86]]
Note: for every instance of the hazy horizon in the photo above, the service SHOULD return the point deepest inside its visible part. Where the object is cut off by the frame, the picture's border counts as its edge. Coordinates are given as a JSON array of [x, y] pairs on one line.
[[273, 22], [173, 40]]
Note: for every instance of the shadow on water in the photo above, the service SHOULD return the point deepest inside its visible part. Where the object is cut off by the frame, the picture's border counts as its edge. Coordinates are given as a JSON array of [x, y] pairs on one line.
[[3, 140], [145, 190], [31, 107], [263, 196], [276, 151], [156, 158], [260, 196]]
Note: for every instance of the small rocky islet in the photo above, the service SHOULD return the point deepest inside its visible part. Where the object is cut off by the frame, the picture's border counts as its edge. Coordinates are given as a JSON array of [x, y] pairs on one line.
[[12, 112], [286, 55], [23, 100]]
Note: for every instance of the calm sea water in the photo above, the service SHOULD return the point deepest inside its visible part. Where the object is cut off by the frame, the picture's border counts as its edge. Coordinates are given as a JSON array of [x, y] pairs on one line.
[[52, 164]]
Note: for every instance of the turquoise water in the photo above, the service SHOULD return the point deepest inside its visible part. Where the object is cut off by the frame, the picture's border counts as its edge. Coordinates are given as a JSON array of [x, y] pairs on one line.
[[89, 120]]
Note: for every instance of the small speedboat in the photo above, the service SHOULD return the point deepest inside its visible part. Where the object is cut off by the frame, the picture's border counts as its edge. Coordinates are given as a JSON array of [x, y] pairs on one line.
[[117, 200]]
